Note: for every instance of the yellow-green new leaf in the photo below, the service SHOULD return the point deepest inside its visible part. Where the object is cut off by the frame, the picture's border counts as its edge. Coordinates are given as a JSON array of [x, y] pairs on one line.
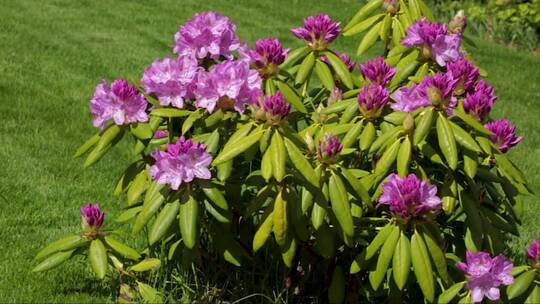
[[87, 145], [424, 126], [464, 139], [449, 294], [65, 244], [280, 221], [437, 256], [324, 74], [368, 136], [146, 265], [422, 266], [301, 164], [291, 96], [378, 241], [97, 254], [369, 39], [122, 249], [364, 12], [305, 68], [363, 25], [401, 262], [388, 158], [404, 157], [148, 293], [264, 230], [340, 68]]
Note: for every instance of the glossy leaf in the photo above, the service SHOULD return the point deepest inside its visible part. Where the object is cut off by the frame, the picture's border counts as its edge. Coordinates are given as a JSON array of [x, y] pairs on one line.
[[369, 39], [280, 221], [422, 266], [278, 156], [122, 248], [447, 141], [364, 12], [340, 204], [146, 265], [449, 294], [385, 257], [64, 244], [401, 262], [189, 222], [404, 157], [340, 68], [231, 151], [521, 284], [53, 260], [292, 97], [324, 74], [97, 255], [305, 68], [164, 220], [424, 126]]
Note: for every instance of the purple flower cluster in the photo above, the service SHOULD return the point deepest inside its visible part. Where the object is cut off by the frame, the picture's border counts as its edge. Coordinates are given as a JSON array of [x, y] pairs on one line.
[[349, 63], [329, 148], [181, 163], [171, 80], [161, 134], [119, 102], [410, 197], [434, 41], [207, 35], [466, 73], [318, 31], [92, 217], [533, 252], [268, 53], [377, 71], [436, 90], [486, 274], [504, 134], [372, 100], [272, 109], [229, 84], [479, 101]]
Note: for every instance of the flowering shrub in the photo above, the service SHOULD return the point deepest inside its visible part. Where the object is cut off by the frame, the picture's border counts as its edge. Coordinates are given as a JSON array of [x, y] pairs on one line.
[[392, 170]]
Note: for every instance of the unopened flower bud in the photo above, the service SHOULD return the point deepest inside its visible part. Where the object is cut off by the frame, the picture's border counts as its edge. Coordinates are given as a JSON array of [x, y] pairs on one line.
[[408, 124], [391, 6], [329, 148], [92, 217], [335, 96], [458, 23]]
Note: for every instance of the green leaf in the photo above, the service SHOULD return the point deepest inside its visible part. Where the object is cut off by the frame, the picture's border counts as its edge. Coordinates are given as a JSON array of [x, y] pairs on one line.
[[189, 222], [141, 130], [169, 112], [521, 284], [534, 297], [164, 220], [188, 123], [470, 163], [324, 74], [367, 136], [336, 290], [387, 159], [401, 262], [301, 164], [449, 294], [213, 119], [148, 293], [279, 156], [318, 215], [97, 254], [229, 248], [464, 139], [266, 164], [231, 151], [137, 187], [437, 256], [151, 205], [280, 222], [349, 114], [340, 204], [378, 241], [146, 265], [357, 186], [340, 68], [339, 106], [305, 69], [363, 13], [352, 135], [469, 120], [386, 24], [214, 194], [288, 251], [363, 25], [414, 8], [422, 266], [87, 145], [385, 257], [447, 141], [240, 133], [65, 244], [404, 157], [291, 96], [510, 169], [369, 39], [212, 142], [122, 249], [224, 170], [53, 260], [397, 32], [294, 55], [108, 136], [264, 230], [402, 73], [424, 126], [385, 139]]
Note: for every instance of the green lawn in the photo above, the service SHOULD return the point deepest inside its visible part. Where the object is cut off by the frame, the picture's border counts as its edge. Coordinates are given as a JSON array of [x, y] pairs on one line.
[[53, 53]]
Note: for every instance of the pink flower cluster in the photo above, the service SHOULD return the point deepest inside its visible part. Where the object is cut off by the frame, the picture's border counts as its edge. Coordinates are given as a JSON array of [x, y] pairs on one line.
[[486, 274], [118, 102], [372, 100], [533, 252], [434, 41], [377, 71], [504, 134], [92, 217], [268, 51], [329, 148], [181, 163], [410, 197], [207, 35], [272, 109]]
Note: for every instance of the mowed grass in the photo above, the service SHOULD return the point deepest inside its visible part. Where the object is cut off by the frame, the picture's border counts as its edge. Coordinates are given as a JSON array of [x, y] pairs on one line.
[[53, 53]]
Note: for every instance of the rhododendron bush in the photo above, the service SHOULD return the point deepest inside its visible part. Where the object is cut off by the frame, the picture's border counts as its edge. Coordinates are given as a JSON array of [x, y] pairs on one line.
[[381, 179]]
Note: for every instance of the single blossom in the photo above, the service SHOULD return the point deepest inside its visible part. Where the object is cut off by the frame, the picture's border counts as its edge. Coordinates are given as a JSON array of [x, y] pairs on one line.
[[408, 99], [207, 35], [486, 274], [318, 31], [272, 109], [377, 71], [329, 148], [181, 163], [161, 133], [172, 81], [504, 134], [410, 197], [434, 41], [349, 63], [466, 73], [479, 102], [372, 100], [92, 217], [229, 84], [118, 102], [268, 53], [533, 252], [335, 95]]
